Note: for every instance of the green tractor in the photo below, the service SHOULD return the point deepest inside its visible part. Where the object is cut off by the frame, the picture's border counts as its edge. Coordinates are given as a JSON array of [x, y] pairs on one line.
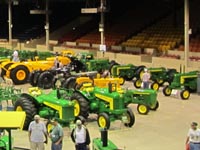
[[128, 72], [4, 140], [158, 77], [86, 62], [52, 105], [184, 82], [107, 103]]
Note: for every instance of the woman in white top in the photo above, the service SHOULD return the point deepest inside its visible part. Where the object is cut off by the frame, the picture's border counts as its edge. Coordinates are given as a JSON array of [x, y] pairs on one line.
[[193, 137]]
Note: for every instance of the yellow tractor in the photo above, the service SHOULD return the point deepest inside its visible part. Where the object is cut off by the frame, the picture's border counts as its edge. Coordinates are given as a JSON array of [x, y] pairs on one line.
[[19, 71]]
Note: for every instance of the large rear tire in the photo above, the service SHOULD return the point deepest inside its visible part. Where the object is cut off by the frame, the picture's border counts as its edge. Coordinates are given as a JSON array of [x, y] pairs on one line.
[[81, 107], [45, 80], [19, 75], [25, 104]]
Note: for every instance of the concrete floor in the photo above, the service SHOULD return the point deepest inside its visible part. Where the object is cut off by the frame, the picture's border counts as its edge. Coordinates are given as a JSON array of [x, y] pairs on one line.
[[164, 129]]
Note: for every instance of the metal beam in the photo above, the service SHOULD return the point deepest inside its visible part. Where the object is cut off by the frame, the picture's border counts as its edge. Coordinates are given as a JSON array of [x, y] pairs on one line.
[[186, 24]]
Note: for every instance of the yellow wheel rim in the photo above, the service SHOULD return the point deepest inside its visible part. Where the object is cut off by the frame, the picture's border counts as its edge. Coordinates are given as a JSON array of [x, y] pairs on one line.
[[19, 108], [21, 75], [102, 122], [138, 83], [142, 109], [155, 86], [168, 91], [76, 108], [186, 94]]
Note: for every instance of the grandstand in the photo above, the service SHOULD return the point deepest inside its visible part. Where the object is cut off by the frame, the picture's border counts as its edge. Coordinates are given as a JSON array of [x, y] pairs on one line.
[[129, 29]]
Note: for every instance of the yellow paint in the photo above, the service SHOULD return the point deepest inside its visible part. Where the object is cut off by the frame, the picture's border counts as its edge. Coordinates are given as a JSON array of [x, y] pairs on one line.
[[158, 70], [56, 107], [182, 79], [107, 99], [13, 119]]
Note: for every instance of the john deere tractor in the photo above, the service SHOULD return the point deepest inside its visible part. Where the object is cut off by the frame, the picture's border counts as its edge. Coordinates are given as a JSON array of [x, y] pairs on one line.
[[183, 82], [158, 77], [52, 105], [127, 72], [106, 102]]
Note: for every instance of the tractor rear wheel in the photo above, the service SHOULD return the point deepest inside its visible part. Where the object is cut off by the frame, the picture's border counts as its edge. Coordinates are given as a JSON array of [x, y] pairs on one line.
[[103, 120], [130, 117], [81, 107], [112, 63], [4, 68], [139, 72], [69, 83], [20, 74], [167, 91], [33, 78], [185, 94], [137, 83], [25, 104], [155, 107], [155, 86], [142, 109], [45, 80]]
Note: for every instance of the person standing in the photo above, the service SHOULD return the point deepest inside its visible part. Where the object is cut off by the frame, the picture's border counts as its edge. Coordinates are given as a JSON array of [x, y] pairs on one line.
[[80, 136], [193, 137], [15, 56], [145, 79], [37, 131], [56, 135]]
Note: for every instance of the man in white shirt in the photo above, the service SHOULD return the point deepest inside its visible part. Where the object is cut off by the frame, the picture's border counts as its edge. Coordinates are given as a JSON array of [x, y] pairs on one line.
[[193, 137], [80, 136], [37, 132], [15, 56]]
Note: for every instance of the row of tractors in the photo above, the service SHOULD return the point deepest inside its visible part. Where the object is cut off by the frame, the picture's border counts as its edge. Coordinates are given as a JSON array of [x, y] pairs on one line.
[[82, 87]]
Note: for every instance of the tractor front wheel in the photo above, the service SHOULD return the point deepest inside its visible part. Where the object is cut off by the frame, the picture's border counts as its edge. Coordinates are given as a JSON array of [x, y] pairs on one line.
[[130, 118], [33, 78], [167, 91], [142, 109], [185, 94], [155, 86], [103, 120], [25, 104], [155, 107], [137, 83]]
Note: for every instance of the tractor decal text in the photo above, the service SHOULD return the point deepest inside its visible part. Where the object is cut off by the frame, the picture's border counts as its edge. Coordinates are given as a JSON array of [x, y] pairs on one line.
[[56, 107], [107, 99]]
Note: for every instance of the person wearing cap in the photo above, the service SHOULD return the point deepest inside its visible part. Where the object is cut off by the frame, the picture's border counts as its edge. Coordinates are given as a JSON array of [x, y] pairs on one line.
[[145, 79], [80, 136], [56, 135], [36, 132], [193, 137]]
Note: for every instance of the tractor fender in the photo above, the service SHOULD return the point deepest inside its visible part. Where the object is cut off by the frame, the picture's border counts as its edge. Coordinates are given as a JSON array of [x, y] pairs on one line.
[[30, 97], [19, 64], [69, 82]]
